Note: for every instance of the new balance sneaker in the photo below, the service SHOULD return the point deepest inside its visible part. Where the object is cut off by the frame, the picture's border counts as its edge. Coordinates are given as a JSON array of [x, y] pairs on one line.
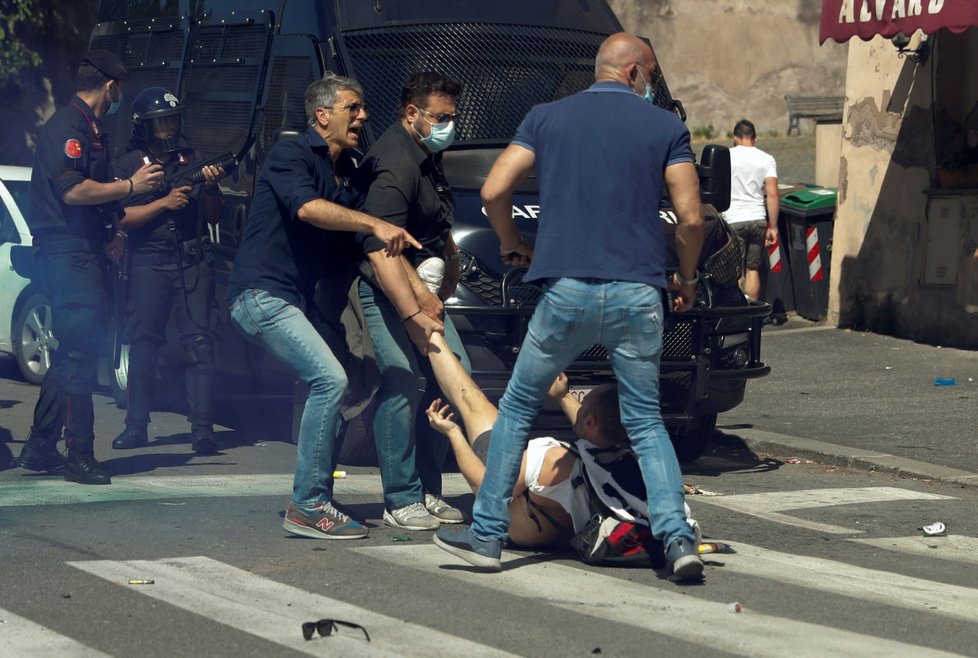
[[322, 522], [684, 560], [411, 517], [432, 272], [85, 469], [477, 552], [441, 510]]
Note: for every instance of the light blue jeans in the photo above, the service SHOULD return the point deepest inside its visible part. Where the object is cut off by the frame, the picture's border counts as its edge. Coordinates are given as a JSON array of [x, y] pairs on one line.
[[626, 318], [285, 331], [409, 451]]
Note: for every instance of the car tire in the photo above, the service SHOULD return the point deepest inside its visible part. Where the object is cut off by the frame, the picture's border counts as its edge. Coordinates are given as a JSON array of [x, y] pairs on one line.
[[690, 443], [32, 337], [358, 448]]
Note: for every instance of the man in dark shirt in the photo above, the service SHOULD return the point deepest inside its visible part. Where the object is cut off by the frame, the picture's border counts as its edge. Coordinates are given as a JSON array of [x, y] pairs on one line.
[[601, 255], [299, 229], [72, 200], [403, 182], [170, 268]]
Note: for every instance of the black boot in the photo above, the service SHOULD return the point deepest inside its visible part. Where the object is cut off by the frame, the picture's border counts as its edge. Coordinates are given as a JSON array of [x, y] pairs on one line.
[[40, 453], [84, 469], [203, 440], [134, 436]]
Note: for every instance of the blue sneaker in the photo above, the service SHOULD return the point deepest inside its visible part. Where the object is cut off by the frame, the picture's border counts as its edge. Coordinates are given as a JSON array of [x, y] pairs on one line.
[[477, 552], [683, 558], [322, 522]]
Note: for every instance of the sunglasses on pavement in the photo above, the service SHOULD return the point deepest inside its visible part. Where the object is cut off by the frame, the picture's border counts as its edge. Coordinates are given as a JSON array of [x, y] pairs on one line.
[[325, 628]]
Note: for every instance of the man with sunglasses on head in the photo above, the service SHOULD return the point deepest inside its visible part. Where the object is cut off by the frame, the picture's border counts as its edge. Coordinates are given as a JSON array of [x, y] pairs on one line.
[[301, 229], [403, 299]]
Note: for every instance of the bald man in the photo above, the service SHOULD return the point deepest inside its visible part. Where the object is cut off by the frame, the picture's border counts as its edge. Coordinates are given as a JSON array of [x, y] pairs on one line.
[[600, 257]]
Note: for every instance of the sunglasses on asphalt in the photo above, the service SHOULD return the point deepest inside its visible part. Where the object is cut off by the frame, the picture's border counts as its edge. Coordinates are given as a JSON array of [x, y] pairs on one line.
[[325, 628]]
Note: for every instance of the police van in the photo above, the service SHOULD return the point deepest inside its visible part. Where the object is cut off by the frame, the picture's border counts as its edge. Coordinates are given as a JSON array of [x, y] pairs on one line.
[[241, 67]]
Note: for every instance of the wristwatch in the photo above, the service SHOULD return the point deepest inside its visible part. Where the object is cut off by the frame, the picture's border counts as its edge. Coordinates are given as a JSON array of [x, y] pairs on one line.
[[687, 282]]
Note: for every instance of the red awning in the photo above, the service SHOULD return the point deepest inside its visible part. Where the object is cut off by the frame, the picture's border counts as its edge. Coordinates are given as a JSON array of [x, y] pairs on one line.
[[844, 19]]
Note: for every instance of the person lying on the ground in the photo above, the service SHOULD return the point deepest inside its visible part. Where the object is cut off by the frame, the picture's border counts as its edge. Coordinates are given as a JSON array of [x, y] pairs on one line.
[[549, 503]]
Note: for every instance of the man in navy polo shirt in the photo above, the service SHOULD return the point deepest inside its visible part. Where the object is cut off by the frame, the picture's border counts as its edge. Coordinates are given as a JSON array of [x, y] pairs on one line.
[[602, 157], [300, 228]]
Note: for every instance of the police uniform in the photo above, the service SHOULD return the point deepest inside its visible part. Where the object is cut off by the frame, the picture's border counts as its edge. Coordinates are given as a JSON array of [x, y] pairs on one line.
[[170, 271], [71, 272]]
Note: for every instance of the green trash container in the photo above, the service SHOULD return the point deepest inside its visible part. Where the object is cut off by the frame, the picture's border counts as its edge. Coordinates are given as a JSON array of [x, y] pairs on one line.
[[810, 214]]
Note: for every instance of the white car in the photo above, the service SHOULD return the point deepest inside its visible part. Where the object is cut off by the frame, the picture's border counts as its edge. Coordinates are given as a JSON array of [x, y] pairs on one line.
[[25, 314]]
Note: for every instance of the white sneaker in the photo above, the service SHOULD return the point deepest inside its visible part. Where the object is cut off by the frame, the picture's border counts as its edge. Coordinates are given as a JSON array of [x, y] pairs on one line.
[[441, 510], [411, 517], [432, 272]]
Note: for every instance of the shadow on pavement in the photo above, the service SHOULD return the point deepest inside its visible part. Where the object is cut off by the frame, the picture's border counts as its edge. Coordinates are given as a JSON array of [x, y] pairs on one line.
[[728, 453]]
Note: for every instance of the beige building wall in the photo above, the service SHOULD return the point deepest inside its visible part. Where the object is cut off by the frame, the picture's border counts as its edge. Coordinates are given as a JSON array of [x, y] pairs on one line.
[[900, 259], [731, 59]]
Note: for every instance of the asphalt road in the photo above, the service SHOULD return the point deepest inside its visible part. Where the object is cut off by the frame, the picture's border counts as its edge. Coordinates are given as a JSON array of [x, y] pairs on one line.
[[828, 561]]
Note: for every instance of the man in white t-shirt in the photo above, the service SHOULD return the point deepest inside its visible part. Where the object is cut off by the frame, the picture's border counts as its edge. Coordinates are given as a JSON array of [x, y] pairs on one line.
[[753, 212]]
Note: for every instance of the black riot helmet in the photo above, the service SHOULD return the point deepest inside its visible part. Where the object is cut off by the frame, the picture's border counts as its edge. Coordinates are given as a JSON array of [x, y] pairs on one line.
[[156, 112]]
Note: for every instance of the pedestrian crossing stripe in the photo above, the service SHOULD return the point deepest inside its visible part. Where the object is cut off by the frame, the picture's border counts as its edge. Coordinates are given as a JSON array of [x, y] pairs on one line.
[[275, 612], [666, 611], [24, 639], [55, 491], [884, 587], [770, 506], [950, 547]]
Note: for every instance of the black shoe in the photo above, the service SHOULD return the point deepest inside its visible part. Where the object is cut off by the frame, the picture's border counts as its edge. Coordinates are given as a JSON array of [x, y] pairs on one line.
[[203, 440], [38, 456], [84, 469], [131, 437]]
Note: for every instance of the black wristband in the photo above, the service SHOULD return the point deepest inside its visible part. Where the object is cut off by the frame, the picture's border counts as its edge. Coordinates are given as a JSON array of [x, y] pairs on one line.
[[410, 316]]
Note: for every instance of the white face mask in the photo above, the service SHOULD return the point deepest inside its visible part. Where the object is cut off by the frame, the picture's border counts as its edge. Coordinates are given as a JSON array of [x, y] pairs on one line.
[[649, 96], [115, 105], [442, 135]]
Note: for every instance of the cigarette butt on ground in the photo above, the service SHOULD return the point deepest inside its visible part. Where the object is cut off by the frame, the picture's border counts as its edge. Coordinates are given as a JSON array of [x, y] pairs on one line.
[[339, 475], [141, 581]]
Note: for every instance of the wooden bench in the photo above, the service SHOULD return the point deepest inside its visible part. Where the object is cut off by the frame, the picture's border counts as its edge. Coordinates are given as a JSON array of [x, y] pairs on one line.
[[826, 108]]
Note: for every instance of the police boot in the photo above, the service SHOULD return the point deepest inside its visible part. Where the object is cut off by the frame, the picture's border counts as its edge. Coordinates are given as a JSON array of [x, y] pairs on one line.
[[203, 440], [40, 453], [82, 467], [134, 436]]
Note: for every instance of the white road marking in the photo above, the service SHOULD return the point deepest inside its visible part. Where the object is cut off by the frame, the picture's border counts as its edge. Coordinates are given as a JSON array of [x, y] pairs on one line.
[[950, 547], [275, 612], [55, 491], [884, 587], [665, 611], [25, 639], [769, 506]]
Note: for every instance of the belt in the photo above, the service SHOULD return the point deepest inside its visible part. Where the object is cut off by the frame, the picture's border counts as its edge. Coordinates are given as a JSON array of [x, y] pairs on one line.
[[51, 244], [169, 256]]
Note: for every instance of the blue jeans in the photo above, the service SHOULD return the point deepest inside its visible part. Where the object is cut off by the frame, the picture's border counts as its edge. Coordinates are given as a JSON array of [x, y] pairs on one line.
[[626, 318], [287, 334], [410, 460]]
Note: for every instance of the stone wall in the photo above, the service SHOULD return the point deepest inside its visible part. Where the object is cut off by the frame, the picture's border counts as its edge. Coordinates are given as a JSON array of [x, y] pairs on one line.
[[729, 59]]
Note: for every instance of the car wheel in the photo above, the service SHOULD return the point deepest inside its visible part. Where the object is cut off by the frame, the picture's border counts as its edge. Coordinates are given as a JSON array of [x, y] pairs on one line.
[[690, 443], [119, 379], [33, 340]]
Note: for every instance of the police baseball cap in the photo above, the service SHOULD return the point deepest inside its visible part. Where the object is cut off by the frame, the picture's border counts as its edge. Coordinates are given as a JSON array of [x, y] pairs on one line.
[[108, 63]]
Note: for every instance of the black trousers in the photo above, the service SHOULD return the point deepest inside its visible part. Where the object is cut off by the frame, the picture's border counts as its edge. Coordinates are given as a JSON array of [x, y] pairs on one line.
[[158, 288], [74, 281]]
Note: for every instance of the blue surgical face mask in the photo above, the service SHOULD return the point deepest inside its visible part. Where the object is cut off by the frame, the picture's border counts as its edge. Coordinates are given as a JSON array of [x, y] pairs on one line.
[[649, 96], [115, 105], [441, 137]]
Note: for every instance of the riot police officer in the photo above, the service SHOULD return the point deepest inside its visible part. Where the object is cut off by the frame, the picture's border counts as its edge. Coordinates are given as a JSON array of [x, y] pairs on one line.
[[170, 269], [72, 199]]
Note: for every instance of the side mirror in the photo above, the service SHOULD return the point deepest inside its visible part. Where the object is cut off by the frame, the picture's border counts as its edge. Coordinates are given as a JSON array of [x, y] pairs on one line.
[[714, 173]]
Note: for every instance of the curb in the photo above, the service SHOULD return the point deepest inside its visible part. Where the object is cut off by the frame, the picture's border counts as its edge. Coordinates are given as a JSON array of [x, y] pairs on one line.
[[759, 441]]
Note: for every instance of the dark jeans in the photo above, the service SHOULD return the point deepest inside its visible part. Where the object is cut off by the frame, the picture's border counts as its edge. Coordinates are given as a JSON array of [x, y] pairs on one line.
[[74, 283]]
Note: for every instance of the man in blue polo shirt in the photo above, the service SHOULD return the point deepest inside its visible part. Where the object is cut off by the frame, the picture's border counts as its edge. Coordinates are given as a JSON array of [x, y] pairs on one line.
[[602, 157], [300, 228]]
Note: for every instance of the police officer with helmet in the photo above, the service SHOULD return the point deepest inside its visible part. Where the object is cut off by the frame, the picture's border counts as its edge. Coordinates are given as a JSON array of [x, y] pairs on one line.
[[73, 197], [170, 269]]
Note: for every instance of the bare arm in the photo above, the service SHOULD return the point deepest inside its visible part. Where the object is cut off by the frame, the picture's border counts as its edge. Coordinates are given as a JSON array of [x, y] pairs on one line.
[[511, 167], [429, 302], [92, 193], [560, 392], [136, 216], [212, 203], [684, 191], [394, 282], [334, 217], [773, 208]]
